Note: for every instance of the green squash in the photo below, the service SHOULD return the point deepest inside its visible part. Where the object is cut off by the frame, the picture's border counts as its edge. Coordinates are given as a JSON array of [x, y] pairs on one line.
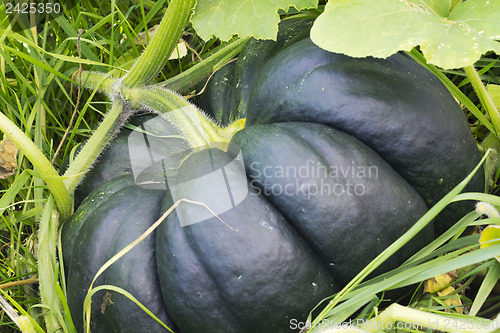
[[293, 238], [339, 158], [396, 107]]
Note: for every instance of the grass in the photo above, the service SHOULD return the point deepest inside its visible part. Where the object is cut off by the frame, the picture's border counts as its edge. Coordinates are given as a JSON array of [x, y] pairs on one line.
[[37, 95], [40, 95]]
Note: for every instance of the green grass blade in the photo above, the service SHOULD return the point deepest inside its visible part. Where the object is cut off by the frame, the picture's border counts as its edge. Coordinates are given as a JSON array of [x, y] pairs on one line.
[[443, 238], [70, 327], [72, 33], [38, 63], [410, 276], [476, 196], [23, 312], [491, 278], [55, 56], [13, 190]]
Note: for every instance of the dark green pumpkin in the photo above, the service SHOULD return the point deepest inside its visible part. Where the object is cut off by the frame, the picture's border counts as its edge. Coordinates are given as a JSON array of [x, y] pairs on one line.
[[396, 107], [291, 247], [341, 156]]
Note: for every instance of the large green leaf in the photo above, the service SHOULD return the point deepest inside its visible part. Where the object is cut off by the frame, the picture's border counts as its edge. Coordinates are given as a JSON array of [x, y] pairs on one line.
[[246, 18], [451, 33]]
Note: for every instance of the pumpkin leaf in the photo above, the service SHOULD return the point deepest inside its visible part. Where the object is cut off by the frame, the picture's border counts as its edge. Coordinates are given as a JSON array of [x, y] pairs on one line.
[[248, 18], [451, 34], [490, 236]]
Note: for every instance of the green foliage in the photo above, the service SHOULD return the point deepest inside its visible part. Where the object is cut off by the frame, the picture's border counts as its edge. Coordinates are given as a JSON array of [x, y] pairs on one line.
[[253, 18], [450, 34]]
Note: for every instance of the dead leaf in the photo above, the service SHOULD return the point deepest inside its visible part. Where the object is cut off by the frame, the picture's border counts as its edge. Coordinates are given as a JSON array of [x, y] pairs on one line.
[[106, 300], [8, 158], [440, 285], [179, 52], [437, 283]]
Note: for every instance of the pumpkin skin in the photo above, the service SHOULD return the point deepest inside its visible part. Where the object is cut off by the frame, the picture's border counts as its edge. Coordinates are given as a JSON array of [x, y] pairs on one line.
[[258, 278], [254, 274], [361, 200]]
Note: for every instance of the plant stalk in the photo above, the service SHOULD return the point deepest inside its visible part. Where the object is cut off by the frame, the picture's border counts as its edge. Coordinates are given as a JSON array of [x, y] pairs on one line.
[[41, 164], [201, 70], [145, 69], [114, 119], [101, 82], [162, 45], [179, 83], [198, 129], [47, 266]]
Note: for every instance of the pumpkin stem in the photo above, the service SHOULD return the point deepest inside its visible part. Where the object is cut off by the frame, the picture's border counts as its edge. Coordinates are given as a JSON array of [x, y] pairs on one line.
[[198, 128]]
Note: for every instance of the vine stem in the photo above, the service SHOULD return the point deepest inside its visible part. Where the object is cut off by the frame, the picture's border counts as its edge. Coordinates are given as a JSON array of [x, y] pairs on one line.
[[198, 129], [41, 164], [162, 45], [145, 69], [485, 97], [201, 70], [47, 265], [94, 146], [104, 83]]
